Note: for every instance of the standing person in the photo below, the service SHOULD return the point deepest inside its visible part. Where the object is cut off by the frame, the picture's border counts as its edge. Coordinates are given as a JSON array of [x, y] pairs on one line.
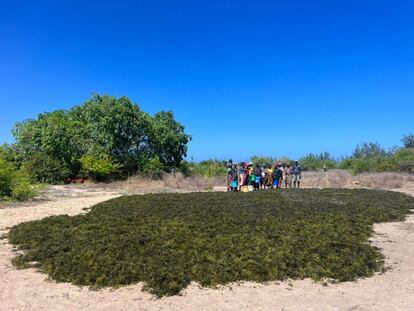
[[242, 175], [268, 179], [249, 173], [234, 183], [230, 175], [278, 176], [288, 171], [297, 175], [263, 173], [258, 177]]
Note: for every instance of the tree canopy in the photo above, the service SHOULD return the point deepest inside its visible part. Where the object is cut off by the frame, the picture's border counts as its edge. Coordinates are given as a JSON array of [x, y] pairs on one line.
[[104, 127]]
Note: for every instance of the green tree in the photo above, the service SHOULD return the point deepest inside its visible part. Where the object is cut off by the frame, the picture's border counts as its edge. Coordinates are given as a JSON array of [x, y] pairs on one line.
[[167, 139], [115, 126], [51, 147], [369, 150], [408, 141], [54, 136]]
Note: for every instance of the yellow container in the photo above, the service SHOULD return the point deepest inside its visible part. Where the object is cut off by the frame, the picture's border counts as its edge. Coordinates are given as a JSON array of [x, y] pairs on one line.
[[245, 189]]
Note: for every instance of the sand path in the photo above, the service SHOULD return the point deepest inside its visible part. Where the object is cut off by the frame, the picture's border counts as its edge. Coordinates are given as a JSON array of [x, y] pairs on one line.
[[30, 290]]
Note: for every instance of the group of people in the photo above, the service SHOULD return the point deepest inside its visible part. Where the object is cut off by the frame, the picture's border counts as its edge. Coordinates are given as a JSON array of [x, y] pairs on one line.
[[262, 176]]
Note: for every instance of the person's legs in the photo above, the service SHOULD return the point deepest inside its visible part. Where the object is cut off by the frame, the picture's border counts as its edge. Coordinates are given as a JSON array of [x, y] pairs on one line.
[[240, 184]]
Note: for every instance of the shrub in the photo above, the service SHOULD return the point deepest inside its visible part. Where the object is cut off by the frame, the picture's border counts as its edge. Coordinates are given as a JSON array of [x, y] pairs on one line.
[[210, 168], [98, 167], [403, 160], [169, 240], [314, 162], [45, 168], [262, 160], [13, 183], [153, 168], [372, 158], [10, 154], [7, 171], [22, 188]]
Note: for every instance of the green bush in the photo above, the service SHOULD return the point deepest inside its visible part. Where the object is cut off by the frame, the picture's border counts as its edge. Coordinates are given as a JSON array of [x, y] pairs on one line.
[[372, 158], [7, 171], [98, 167], [13, 183], [46, 168], [207, 168], [262, 160], [10, 154], [210, 168], [169, 240], [22, 188], [314, 162], [153, 168], [403, 160]]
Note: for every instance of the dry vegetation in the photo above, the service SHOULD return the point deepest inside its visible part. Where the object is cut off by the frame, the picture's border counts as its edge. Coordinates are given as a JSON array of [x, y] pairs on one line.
[[168, 183], [344, 179]]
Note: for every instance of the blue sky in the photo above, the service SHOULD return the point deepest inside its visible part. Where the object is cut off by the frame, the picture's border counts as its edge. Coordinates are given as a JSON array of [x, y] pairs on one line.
[[244, 77]]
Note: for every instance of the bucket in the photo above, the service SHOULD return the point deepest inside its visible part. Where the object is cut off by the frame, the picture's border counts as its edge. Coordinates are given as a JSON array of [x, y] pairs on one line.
[[275, 183], [234, 184], [258, 178]]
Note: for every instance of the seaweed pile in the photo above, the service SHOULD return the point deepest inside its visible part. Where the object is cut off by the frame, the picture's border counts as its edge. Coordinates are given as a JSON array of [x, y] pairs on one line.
[[168, 240]]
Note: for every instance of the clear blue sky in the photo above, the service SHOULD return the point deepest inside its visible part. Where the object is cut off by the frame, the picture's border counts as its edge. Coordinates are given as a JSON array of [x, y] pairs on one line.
[[244, 77]]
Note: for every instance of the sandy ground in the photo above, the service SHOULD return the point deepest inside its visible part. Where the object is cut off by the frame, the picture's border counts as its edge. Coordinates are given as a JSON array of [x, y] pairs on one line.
[[30, 290]]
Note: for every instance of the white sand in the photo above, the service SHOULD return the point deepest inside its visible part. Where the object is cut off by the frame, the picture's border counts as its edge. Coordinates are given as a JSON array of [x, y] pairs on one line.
[[30, 290]]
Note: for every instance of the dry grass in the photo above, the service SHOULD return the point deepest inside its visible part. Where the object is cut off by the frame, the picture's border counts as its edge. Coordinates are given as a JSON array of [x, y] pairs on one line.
[[168, 183], [344, 179]]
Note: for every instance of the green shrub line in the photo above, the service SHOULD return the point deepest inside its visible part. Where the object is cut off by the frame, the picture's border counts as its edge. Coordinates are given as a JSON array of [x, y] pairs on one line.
[[168, 240]]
